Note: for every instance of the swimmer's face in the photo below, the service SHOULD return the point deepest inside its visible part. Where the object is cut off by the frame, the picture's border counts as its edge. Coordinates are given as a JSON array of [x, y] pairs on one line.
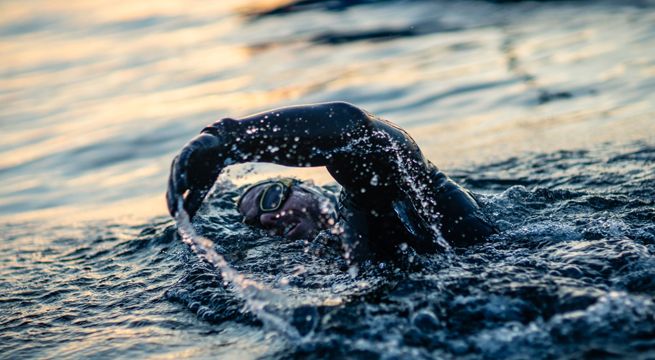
[[297, 218]]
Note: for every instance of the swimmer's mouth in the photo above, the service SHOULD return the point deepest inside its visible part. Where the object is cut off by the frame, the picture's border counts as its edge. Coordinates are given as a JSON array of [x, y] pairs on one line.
[[289, 229], [286, 231]]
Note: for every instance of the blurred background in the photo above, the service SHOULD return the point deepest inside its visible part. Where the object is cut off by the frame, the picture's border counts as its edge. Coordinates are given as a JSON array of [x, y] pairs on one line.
[[96, 97]]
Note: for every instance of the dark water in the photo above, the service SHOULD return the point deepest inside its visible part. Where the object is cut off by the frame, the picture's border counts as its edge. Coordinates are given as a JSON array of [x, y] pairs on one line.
[[546, 109], [571, 275]]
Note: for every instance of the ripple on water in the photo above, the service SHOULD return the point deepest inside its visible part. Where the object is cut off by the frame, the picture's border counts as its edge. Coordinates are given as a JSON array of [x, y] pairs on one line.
[[570, 274]]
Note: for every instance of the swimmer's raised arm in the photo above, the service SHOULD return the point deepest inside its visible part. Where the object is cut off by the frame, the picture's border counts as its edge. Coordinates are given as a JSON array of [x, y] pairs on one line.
[[362, 152]]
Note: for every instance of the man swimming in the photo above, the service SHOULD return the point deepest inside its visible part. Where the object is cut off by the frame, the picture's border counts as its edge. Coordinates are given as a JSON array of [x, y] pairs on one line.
[[390, 193]]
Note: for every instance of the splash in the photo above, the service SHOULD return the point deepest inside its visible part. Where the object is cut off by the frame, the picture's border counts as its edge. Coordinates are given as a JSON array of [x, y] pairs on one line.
[[414, 187], [417, 189], [266, 304]]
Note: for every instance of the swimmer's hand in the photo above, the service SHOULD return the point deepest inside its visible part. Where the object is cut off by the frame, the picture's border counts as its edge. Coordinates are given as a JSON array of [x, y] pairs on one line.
[[194, 171]]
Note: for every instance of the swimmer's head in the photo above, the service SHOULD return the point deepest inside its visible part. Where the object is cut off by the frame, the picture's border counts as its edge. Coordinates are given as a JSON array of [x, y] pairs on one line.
[[284, 207]]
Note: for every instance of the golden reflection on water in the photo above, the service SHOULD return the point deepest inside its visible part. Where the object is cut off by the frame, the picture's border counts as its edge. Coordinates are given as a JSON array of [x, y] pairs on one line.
[[98, 96]]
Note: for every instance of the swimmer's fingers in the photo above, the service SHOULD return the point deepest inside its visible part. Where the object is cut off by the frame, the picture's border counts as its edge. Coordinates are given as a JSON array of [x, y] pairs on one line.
[[193, 172], [176, 186], [171, 202], [178, 179]]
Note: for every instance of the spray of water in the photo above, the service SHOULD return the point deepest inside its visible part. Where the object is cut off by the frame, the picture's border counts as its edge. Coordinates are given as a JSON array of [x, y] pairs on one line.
[[266, 304], [271, 307], [418, 190]]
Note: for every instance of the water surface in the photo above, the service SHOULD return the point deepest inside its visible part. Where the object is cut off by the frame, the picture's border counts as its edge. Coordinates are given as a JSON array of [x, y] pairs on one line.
[[544, 108]]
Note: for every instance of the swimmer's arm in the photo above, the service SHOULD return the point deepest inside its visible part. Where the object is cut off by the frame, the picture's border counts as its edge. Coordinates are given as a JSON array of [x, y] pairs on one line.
[[305, 135], [353, 145], [299, 136]]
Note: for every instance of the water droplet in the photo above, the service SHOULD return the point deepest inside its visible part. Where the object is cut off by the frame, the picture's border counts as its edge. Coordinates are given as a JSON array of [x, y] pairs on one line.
[[353, 271], [375, 180]]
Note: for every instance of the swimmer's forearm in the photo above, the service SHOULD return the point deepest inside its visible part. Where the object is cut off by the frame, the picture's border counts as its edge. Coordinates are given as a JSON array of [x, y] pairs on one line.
[[357, 148], [305, 135], [361, 151]]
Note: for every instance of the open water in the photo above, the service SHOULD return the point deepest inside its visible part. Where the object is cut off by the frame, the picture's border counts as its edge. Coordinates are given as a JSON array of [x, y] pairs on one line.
[[545, 109]]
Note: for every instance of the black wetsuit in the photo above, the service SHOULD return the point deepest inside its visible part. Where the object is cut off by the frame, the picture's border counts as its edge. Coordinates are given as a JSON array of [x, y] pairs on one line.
[[391, 193]]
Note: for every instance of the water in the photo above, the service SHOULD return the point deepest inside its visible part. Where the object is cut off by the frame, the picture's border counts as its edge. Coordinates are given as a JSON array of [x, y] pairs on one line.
[[268, 305], [545, 109]]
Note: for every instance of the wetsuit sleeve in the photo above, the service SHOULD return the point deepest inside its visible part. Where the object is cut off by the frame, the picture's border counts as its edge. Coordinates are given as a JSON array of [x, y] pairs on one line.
[[307, 135], [301, 136], [371, 158]]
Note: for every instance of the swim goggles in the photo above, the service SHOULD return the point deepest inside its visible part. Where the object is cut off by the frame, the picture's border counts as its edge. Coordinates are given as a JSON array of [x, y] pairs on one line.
[[274, 194]]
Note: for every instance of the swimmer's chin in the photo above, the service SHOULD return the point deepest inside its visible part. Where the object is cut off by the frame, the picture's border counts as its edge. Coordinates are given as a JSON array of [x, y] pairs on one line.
[[298, 231], [295, 231], [292, 231]]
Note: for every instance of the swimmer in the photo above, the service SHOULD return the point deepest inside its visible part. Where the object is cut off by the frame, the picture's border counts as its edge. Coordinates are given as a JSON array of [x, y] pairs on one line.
[[391, 194]]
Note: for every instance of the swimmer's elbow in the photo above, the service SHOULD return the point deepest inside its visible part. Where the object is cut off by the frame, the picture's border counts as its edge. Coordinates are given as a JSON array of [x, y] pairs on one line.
[[345, 107], [221, 127], [355, 117]]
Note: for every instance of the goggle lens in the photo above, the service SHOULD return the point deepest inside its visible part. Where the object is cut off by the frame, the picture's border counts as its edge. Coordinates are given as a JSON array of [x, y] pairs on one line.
[[272, 197]]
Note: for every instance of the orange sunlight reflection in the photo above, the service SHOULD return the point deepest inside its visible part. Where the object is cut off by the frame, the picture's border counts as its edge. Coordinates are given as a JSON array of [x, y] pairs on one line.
[[84, 90]]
